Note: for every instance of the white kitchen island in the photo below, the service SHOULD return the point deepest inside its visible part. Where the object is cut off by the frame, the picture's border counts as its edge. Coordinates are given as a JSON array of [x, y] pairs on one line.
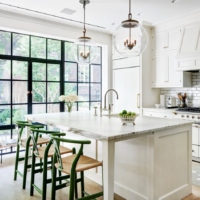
[[148, 161]]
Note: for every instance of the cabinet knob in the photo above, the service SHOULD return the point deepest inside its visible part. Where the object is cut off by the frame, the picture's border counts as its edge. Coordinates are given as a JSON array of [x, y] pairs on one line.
[[165, 47], [192, 150], [165, 116]]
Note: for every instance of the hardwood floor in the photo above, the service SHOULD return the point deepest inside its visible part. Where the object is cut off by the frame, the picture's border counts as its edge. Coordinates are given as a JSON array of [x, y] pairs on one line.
[[10, 189]]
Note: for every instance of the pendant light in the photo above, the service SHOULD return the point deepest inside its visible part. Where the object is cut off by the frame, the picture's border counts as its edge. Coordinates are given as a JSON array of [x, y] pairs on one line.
[[130, 38], [84, 49]]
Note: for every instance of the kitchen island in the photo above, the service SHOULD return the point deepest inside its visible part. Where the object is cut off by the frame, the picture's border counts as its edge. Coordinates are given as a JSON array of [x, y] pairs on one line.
[[151, 160]]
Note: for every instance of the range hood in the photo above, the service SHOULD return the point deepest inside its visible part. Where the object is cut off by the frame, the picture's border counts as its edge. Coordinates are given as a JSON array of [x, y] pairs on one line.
[[188, 56]]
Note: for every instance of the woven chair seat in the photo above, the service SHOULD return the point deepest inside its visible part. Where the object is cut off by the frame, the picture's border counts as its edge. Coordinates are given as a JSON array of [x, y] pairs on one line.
[[41, 150], [39, 142], [83, 164]]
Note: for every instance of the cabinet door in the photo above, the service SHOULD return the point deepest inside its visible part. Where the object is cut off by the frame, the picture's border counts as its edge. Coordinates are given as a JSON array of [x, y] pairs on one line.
[[174, 77], [159, 42], [195, 151], [195, 135], [173, 38], [159, 66]]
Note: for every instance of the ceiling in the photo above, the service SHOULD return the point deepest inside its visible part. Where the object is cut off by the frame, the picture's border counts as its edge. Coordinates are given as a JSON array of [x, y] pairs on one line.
[[105, 13]]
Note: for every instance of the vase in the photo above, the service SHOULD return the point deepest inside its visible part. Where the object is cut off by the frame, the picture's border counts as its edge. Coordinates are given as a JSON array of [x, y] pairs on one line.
[[69, 106]]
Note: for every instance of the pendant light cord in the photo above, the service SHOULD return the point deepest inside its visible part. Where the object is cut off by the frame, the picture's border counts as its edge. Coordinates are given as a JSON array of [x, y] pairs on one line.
[[84, 31]]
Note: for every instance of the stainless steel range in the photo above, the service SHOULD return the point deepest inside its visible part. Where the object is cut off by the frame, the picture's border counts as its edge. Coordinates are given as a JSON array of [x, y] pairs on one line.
[[188, 113], [192, 114]]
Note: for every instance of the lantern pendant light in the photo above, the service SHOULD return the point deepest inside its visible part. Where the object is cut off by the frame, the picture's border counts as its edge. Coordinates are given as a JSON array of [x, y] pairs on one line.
[[130, 38], [84, 49]]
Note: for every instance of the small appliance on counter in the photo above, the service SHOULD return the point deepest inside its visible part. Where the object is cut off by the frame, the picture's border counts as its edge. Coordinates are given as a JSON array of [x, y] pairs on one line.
[[171, 103]]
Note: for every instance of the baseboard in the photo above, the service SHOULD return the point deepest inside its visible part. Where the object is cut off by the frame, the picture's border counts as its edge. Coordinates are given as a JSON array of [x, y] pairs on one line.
[[121, 190]]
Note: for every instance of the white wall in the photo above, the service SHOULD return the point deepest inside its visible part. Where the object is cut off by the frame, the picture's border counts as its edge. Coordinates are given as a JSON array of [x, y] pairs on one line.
[[62, 31]]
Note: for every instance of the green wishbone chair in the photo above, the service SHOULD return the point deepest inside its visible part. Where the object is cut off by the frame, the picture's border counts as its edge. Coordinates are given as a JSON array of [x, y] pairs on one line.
[[25, 143], [71, 165], [44, 153]]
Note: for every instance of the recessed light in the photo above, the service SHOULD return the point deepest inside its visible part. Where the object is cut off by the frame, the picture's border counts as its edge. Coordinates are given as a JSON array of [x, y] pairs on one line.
[[68, 11], [140, 14]]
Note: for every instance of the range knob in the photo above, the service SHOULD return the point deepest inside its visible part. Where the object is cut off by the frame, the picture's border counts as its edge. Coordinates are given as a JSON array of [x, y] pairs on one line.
[[188, 116], [182, 116], [193, 117], [198, 117]]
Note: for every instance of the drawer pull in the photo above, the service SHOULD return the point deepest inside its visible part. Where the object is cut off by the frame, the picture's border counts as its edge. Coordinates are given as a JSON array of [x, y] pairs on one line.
[[165, 116]]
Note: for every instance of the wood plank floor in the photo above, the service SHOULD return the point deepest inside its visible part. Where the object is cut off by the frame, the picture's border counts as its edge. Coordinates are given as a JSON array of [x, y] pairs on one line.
[[12, 190]]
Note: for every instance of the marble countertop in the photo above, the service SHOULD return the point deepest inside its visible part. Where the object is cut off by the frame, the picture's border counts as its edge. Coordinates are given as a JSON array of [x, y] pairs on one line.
[[104, 128]]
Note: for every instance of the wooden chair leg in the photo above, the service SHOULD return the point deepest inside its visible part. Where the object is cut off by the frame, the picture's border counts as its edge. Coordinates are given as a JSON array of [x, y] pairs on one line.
[[82, 184], [76, 187], [53, 187], [32, 175], [44, 183], [16, 162], [25, 167]]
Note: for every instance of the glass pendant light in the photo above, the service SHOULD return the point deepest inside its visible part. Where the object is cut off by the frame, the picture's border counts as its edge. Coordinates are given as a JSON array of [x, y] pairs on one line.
[[84, 49], [130, 38]]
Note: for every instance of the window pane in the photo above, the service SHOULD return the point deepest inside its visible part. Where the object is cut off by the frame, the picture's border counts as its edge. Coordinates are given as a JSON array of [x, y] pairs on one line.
[[4, 135], [83, 106], [74, 108], [95, 92], [20, 91], [53, 92], [83, 92], [69, 54], [20, 70], [70, 72], [95, 73], [38, 47], [53, 108], [5, 43], [39, 92], [18, 112], [53, 72], [39, 71], [5, 115], [5, 69], [54, 49], [39, 108], [95, 53], [5, 90], [20, 45], [83, 73], [70, 88]]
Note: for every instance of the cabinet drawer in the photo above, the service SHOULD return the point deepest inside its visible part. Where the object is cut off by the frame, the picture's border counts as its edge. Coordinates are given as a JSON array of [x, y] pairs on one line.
[[150, 114], [157, 114], [195, 151], [195, 136]]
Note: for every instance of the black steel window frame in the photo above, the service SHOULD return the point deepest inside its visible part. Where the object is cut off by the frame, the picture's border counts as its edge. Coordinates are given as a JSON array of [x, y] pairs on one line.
[[62, 81]]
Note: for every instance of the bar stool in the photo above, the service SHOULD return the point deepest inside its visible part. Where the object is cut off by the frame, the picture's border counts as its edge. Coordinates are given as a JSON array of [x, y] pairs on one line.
[[44, 153], [71, 165], [25, 143]]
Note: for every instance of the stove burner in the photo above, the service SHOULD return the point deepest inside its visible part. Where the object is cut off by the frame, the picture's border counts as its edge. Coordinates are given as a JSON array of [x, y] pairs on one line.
[[189, 109]]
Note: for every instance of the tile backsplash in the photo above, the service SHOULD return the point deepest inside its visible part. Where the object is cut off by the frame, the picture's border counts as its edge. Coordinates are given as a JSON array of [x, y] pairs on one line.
[[193, 93]]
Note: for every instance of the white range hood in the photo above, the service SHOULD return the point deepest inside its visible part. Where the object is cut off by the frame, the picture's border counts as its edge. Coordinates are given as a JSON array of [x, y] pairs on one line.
[[189, 48]]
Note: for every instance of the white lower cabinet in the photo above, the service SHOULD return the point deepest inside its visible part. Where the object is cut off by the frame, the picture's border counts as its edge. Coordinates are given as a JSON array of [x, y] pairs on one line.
[[195, 151]]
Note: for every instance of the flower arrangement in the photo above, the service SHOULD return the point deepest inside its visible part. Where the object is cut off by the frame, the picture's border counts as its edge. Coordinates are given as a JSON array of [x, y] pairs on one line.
[[69, 100]]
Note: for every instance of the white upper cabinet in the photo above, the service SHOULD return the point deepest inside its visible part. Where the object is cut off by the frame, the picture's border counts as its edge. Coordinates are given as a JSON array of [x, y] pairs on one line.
[[166, 40], [164, 72], [189, 49]]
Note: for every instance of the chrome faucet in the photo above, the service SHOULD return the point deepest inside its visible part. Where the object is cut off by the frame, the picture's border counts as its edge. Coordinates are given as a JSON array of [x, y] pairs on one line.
[[110, 105]]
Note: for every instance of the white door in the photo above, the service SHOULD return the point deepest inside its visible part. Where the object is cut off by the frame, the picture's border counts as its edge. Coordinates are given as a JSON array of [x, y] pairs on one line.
[[126, 83]]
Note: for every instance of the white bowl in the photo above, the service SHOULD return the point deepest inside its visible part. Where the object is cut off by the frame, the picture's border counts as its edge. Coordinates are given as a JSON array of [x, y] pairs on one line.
[[157, 105]]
